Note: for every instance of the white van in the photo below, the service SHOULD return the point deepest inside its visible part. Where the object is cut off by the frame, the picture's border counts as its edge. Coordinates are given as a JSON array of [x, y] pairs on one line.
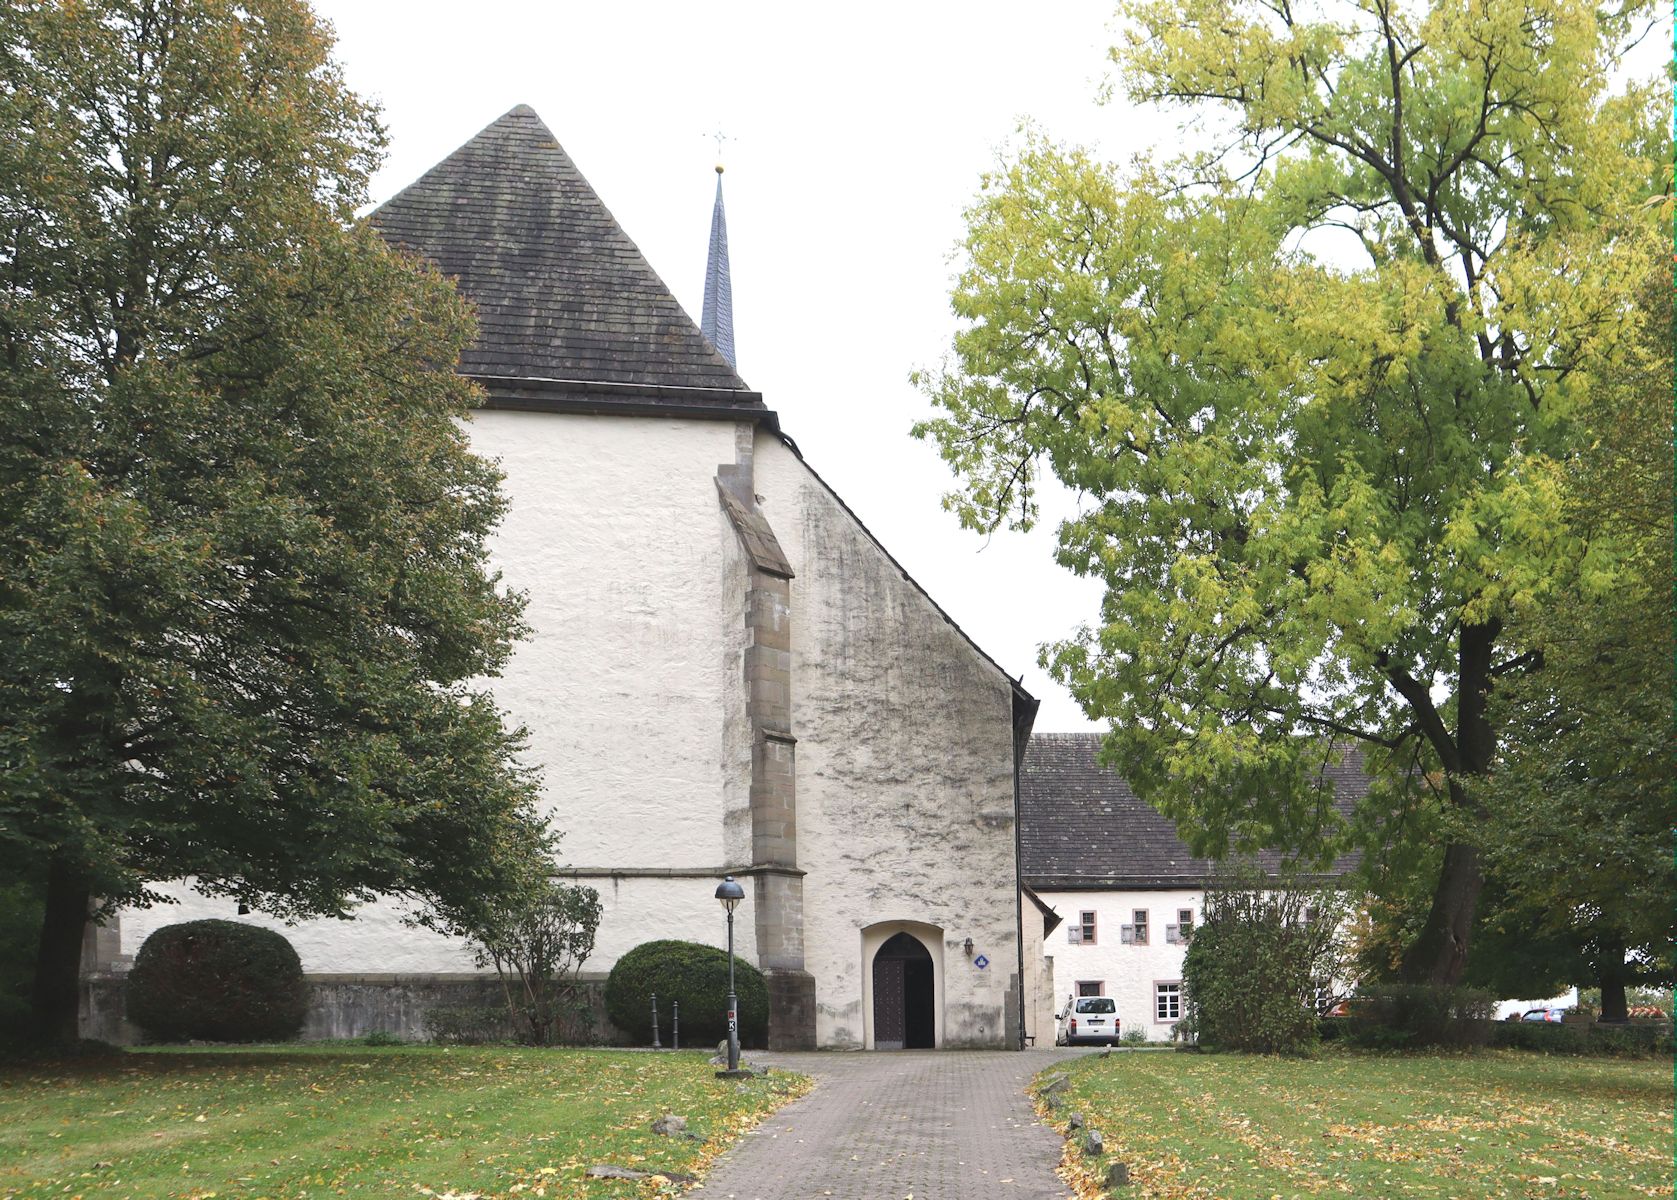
[[1090, 1019]]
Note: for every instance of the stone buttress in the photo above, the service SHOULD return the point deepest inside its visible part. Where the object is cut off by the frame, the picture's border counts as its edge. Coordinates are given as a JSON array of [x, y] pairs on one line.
[[778, 883]]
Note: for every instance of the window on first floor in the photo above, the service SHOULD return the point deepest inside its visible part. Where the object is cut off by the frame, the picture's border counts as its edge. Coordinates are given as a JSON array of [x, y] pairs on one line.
[[1086, 928], [1140, 917], [1091, 987], [1167, 1001]]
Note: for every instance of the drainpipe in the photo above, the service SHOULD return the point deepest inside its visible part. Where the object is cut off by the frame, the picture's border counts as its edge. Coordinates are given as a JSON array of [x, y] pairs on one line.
[[1024, 716]]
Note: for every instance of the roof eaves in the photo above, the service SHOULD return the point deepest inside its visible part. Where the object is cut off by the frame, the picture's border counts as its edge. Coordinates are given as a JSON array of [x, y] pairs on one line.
[[532, 394]]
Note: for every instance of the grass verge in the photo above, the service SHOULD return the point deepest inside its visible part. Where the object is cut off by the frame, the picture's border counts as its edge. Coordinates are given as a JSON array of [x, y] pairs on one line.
[[346, 1120], [1497, 1124]]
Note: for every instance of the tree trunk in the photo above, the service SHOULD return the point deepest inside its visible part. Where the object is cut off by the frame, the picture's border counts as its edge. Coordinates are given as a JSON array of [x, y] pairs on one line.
[[1439, 953], [1610, 974], [56, 1002]]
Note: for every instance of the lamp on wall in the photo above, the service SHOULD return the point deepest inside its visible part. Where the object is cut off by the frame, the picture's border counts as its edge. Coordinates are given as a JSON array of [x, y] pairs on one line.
[[967, 946], [730, 894]]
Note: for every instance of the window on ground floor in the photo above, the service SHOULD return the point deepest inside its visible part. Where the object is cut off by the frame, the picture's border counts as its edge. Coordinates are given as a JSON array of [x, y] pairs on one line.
[[1167, 1001], [1091, 987]]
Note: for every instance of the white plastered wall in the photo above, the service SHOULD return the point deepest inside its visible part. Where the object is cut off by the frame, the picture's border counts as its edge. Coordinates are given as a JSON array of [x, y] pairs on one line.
[[904, 770], [626, 683], [1127, 972], [1040, 995]]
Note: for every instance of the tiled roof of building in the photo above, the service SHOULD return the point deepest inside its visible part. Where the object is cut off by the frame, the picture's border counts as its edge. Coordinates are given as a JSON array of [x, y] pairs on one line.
[[1081, 827], [564, 298]]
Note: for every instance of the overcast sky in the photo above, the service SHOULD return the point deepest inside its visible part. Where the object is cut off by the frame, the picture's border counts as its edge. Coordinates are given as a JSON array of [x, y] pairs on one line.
[[857, 135]]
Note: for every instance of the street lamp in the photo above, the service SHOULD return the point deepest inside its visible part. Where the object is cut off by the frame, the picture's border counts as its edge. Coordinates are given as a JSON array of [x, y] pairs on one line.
[[731, 893]]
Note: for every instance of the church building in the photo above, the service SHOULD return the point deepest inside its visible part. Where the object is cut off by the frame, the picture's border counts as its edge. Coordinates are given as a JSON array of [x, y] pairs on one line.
[[727, 674]]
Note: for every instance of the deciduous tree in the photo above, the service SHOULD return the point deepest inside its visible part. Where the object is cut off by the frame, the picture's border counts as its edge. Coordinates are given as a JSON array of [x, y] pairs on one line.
[[1582, 800], [1316, 388], [243, 579]]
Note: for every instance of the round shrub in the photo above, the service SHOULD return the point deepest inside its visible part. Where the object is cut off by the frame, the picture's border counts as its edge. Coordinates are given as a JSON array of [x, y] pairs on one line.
[[697, 977], [217, 981]]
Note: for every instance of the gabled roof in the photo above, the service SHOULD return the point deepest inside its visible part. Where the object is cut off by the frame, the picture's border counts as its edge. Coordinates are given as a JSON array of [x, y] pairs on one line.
[[564, 299], [1082, 828]]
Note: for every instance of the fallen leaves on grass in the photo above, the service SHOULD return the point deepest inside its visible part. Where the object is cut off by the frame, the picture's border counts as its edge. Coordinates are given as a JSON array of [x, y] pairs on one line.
[[1495, 1125]]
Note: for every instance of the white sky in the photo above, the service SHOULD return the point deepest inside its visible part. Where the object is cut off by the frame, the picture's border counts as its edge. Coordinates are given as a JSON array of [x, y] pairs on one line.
[[858, 135]]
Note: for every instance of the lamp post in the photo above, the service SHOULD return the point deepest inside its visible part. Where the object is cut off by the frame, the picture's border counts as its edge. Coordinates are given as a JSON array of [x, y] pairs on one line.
[[730, 894]]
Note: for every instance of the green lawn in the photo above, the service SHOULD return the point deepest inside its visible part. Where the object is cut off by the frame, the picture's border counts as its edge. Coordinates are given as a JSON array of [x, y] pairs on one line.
[[349, 1120], [1494, 1124]]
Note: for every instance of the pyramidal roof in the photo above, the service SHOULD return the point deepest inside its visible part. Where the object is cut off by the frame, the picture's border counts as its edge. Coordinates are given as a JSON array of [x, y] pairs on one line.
[[566, 303]]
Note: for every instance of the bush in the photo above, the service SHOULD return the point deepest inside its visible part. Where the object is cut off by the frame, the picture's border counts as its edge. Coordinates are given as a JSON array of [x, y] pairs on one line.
[[1396, 1016], [1134, 1037], [217, 981], [695, 975], [1622, 1041], [537, 939], [1253, 964]]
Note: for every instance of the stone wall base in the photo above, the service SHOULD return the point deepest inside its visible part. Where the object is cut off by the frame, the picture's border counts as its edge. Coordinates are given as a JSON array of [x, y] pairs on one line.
[[791, 1009], [349, 1006]]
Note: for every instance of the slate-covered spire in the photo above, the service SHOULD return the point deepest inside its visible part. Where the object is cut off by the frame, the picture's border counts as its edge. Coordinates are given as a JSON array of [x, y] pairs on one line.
[[717, 321]]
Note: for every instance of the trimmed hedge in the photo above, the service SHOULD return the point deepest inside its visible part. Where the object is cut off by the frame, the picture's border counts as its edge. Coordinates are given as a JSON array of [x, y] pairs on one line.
[[217, 981], [1395, 1016], [1631, 1040], [696, 975]]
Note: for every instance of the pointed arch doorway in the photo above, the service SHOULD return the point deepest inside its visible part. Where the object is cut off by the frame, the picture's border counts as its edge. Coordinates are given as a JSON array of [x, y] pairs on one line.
[[904, 995]]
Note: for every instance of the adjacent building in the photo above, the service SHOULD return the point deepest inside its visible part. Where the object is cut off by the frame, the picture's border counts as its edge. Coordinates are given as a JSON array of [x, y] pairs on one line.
[[1121, 892]]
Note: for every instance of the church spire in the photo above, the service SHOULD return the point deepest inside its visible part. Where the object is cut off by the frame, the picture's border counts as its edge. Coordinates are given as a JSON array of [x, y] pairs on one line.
[[717, 323]]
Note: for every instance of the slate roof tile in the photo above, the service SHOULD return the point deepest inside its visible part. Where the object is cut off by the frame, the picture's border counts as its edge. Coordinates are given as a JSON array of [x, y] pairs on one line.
[[1080, 825], [561, 292]]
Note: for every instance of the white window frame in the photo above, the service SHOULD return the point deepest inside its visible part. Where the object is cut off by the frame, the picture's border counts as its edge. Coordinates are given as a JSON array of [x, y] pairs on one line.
[[1175, 996]]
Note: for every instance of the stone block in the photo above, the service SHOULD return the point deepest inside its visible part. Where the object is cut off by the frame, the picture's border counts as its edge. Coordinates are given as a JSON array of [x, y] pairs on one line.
[[791, 1009]]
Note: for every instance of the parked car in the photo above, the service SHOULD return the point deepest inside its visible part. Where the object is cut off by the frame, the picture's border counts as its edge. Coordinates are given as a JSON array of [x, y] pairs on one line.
[[1092, 1019], [1552, 1016]]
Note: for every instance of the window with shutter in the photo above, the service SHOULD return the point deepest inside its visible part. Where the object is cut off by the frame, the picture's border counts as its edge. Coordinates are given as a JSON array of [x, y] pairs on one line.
[[1140, 926], [1087, 921]]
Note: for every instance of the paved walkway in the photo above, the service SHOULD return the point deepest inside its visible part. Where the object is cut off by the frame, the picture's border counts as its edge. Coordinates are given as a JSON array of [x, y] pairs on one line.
[[934, 1125]]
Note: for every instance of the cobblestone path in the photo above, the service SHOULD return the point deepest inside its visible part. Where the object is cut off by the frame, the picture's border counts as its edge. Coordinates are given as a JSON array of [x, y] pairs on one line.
[[934, 1125]]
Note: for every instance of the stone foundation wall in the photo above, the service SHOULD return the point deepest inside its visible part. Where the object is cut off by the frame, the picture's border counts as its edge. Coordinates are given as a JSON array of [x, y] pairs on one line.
[[348, 1006]]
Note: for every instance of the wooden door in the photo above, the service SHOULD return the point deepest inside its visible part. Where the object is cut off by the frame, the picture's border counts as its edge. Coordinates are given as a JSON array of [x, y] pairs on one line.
[[889, 1026]]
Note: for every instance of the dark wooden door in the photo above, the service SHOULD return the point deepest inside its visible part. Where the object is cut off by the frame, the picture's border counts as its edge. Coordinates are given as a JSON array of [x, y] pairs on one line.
[[889, 1026]]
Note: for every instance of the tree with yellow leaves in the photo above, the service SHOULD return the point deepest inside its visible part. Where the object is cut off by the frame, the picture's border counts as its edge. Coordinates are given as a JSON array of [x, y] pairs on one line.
[[1317, 387]]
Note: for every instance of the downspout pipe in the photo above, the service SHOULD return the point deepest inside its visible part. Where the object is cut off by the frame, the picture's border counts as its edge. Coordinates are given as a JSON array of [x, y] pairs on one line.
[[1025, 708]]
